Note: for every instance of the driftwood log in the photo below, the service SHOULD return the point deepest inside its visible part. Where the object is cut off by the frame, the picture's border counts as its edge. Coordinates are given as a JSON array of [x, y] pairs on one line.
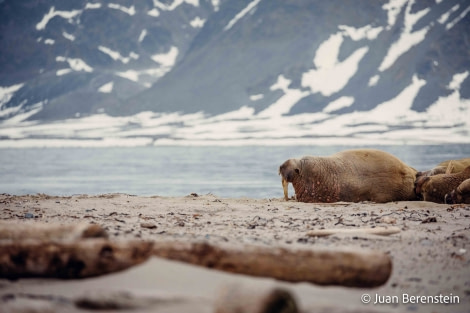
[[69, 259], [67, 251], [381, 231], [322, 267], [64, 251]]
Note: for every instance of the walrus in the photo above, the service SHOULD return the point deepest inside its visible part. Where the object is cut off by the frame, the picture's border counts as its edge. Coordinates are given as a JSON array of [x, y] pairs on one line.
[[461, 194], [351, 176], [447, 167], [434, 188]]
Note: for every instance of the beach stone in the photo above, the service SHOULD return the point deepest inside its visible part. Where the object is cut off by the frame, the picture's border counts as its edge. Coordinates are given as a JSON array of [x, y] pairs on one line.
[[236, 298], [148, 225]]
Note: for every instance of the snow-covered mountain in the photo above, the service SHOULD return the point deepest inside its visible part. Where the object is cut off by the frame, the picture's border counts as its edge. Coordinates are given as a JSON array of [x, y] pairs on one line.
[[234, 72]]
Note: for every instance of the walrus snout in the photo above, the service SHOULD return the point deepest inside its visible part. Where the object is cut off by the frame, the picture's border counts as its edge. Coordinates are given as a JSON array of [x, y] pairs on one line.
[[419, 186], [287, 171], [449, 198]]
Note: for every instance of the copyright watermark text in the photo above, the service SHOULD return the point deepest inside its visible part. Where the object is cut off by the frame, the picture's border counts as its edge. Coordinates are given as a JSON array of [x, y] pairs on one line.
[[406, 298]]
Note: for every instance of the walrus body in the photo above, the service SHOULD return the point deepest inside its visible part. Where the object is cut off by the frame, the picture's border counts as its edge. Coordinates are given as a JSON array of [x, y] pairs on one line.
[[461, 194], [434, 188], [447, 167], [352, 176]]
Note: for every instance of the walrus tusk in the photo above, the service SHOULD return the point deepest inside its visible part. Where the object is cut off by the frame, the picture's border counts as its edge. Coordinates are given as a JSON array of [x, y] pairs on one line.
[[285, 186], [450, 168]]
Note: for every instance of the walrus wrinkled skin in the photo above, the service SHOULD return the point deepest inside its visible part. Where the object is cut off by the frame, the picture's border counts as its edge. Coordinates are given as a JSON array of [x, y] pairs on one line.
[[461, 194], [456, 166], [434, 188], [351, 176]]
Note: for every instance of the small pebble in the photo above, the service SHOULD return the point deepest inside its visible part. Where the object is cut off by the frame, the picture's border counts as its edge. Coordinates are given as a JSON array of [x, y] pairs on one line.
[[148, 225]]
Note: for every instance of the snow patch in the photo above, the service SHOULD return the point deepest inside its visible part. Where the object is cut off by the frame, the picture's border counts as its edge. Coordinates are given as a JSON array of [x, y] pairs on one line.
[[457, 19], [197, 22], [68, 36], [130, 10], [330, 75], [144, 77], [92, 6], [373, 80], [75, 64], [340, 103], [444, 17], [117, 56], [129, 74], [398, 108], [142, 35], [241, 14], [52, 13], [327, 54], [63, 71], [366, 32], [393, 8], [256, 97], [174, 5], [154, 12], [166, 59], [282, 83], [23, 115], [451, 108], [285, 103], [215, 4], [407, 38], [457, 81], [6, 93], [106, 88]]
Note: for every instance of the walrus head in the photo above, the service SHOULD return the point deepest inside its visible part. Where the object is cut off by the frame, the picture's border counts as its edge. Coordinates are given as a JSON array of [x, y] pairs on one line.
[[451, 197], [288, 171], [420, 186], [460, 194]]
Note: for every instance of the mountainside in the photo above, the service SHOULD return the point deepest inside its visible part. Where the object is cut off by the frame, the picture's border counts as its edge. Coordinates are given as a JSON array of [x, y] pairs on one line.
[[81, 57], [253, 70]]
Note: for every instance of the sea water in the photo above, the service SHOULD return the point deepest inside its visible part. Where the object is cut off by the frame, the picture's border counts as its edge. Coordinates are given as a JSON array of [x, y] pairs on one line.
[[248, 171]]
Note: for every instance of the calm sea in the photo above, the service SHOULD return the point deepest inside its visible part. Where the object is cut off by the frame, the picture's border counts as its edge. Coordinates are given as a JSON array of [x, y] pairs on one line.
[[250, 171]]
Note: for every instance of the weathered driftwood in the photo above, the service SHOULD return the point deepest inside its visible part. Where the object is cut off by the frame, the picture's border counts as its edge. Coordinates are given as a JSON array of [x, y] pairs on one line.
[[69, 259], [323, 267], [381, 231], [248, 299], [102, 300], [125, 300], [44, 232], [67, 252]]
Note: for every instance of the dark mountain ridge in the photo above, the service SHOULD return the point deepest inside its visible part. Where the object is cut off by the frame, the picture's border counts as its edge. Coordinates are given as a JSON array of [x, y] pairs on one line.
[[216, 57]]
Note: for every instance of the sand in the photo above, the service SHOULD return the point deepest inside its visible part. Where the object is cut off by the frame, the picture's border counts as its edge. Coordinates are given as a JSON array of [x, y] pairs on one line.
[[430, 254]]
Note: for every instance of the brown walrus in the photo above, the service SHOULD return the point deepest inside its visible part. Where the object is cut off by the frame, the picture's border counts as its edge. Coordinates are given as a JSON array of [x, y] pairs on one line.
[[461, 194], [447, 167], [434, 188], [351, 175]]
